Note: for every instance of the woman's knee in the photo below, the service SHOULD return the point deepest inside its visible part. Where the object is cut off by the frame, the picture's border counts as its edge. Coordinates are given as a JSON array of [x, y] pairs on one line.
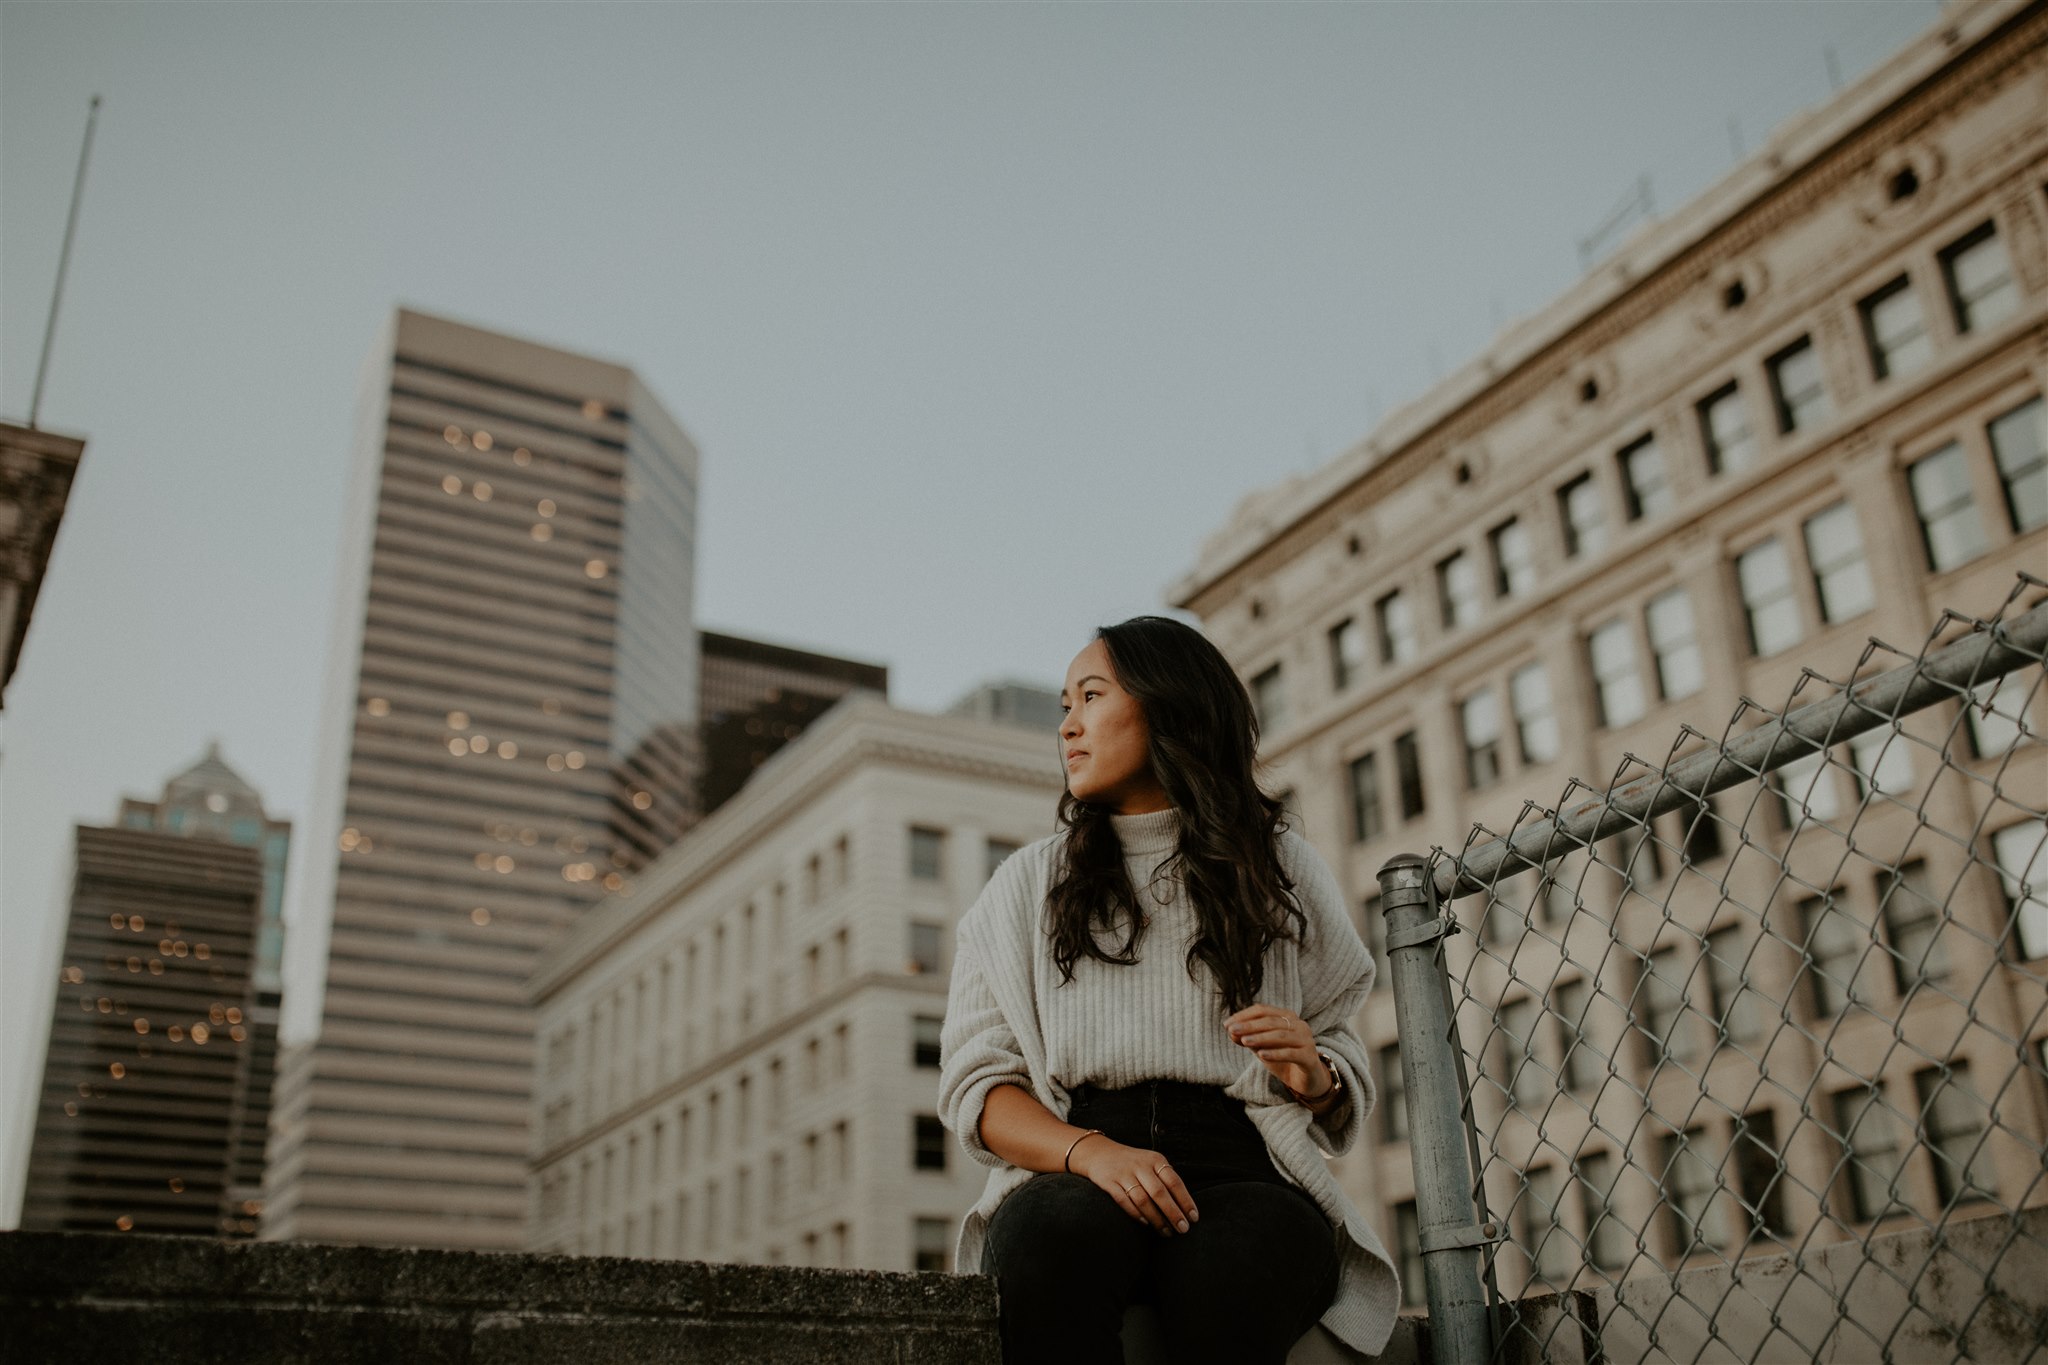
[[1259, 1271], [1057, 1226]]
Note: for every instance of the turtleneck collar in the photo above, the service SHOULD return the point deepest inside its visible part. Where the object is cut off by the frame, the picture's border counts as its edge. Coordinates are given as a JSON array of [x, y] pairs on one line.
[[1154, 832]]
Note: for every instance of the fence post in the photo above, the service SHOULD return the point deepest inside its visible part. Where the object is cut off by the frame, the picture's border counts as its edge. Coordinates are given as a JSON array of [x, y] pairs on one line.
[[1459, 1328]]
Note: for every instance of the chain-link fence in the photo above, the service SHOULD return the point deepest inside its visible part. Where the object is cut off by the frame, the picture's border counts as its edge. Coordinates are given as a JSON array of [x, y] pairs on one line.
[[1748, 1049]]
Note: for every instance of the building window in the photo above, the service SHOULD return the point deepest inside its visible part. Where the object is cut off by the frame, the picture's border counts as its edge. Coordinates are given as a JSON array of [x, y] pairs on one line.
[[1883, 762], [1408, 773], [1980, 283], [994, 854], [1408, 1251], [929, 1138], [1950, 530], [1617, 687], [1347, 653], [1760, 1172], [1457, 590], [924, 947], [1479, 714], [932, 1239], [1724, 430], [1522, 1075], [1397, 628], [1366, 821], [1834, 550], [1673, 646], [1661, 996], [1731, 1001], [2019, 441], [1393, 1095], [927, 854], [1702, 839], [1609, 1243], [1514, 562], [1585, 521], [1691, 1186], [924, 1047], [1870, 1151], [1269, 699], [1551, 1250], [1837, 948], [1953, 1116], [1806, 790], [1912, 922], [1895, 330], [1997, 714], [1769, 604], [1644, 489], [1798, 387], [1535, 717], [1569, 1002], [2023, 870]]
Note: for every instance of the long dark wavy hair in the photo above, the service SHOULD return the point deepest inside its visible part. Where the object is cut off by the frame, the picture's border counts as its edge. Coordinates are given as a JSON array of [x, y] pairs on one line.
[[1203, 751]]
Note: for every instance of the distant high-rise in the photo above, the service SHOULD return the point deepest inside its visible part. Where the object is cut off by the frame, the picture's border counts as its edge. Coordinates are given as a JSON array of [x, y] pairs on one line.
[[757, 697], [511, 731], [156, 1090]]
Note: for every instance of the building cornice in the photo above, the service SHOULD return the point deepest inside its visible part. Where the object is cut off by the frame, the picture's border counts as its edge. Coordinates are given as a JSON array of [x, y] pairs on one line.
[[1807, 160], [858, 733]]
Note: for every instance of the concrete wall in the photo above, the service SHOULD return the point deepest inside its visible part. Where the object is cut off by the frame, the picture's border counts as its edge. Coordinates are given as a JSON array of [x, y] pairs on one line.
[[1980, 1294], [194, 1301]]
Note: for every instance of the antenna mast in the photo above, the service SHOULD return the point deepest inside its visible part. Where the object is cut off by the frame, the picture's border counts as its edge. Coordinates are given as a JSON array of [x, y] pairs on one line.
[[35, 401]]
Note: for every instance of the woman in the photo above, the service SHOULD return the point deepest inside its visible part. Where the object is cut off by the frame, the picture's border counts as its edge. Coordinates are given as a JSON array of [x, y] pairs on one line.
[[1149, 1037]]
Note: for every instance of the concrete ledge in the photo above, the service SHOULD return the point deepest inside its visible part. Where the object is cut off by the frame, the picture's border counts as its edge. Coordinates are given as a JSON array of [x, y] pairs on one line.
[[74, 1297]]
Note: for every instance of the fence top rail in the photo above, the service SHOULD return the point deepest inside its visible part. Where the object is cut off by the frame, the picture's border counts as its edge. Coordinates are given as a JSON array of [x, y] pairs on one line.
[[1991, 651]]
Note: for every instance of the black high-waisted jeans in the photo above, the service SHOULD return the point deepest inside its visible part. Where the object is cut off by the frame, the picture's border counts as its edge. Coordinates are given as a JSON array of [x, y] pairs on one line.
[[1240, 1286]]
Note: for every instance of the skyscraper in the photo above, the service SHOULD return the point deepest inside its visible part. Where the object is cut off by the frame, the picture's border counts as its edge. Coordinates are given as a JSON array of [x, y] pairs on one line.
[[156, 1089], [511, 731]]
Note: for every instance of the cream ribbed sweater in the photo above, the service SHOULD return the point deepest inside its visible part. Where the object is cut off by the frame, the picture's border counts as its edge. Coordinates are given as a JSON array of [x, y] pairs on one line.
[[1009, 1020]]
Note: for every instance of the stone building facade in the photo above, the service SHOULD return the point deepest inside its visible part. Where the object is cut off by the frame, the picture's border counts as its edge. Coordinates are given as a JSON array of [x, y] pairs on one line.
[[1802, 411], [738, 1060]]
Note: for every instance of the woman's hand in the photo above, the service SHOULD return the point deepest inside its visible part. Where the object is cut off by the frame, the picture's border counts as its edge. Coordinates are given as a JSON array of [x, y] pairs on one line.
[[1142, 1183], [1283, 1042]]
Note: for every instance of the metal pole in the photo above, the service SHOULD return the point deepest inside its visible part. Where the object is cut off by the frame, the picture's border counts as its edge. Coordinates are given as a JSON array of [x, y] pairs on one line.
[[35, 402], [1460, 1331]]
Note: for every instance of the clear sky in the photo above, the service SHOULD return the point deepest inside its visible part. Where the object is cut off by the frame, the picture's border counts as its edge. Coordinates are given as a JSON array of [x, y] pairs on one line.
[[983, 315]]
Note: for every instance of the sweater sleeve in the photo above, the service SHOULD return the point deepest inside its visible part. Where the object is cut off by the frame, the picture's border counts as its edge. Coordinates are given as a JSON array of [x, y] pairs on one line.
[[1336, 975], [977, 1052], [978, 1048]]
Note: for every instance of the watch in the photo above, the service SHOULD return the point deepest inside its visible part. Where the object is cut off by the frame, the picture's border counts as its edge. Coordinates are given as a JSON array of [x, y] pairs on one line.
[[1329, 1098]]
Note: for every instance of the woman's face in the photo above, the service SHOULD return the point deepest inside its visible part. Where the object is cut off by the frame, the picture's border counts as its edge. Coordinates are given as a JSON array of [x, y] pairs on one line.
[[1104, 741]]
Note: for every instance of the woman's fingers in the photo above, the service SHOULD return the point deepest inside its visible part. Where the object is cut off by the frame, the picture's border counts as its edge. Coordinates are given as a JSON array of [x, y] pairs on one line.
[[1164, 1201], [1146, 1188], [1276, 1037], [1134, 1201], [1181, 1198]]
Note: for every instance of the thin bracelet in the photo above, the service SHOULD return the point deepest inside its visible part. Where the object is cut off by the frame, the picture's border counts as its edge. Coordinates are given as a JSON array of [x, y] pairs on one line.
[[1068, 1163]]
